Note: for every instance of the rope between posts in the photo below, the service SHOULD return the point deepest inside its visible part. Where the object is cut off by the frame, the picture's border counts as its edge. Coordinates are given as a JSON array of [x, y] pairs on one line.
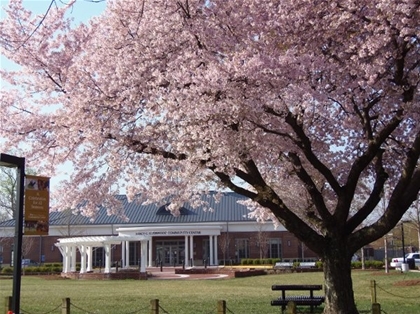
[[26, 312], [164, 311], [396, 295], [139, 310], [229, 310], [79, 308]]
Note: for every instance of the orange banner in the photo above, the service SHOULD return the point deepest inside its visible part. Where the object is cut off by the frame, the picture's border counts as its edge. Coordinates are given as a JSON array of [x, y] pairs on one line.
[[37, 205]]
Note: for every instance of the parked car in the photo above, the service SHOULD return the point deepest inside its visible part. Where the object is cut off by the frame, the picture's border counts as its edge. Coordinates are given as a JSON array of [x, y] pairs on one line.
[[396, 262], [28, 262]]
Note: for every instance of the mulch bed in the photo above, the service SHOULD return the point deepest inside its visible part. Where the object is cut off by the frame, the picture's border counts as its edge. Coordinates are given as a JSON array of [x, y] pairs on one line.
[[408, 283]]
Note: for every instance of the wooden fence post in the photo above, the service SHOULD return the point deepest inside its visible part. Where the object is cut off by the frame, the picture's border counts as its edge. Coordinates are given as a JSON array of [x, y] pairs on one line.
[[291, 307], [376, 308], [221, 307], [373, 291], [7, 304], [154, 306], [65, 306]]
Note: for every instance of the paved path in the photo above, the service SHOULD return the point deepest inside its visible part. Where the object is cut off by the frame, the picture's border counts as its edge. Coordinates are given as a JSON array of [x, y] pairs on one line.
[[169, 273]]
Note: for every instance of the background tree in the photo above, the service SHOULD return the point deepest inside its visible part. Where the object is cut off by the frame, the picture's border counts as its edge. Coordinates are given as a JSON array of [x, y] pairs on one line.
[[224, 244], [413, 220], [261, 240], [169, 98], [7, 193]]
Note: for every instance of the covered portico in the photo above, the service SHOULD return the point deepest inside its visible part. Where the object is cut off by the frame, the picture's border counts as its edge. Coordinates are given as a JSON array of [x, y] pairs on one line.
[[188, 232], [85, 245]]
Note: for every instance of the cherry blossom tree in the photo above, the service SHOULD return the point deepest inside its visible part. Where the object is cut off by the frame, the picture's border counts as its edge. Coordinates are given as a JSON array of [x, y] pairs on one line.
[[174, 98]]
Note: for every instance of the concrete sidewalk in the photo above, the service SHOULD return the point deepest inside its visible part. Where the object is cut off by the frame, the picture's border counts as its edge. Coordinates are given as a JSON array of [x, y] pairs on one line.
[[169, 273]]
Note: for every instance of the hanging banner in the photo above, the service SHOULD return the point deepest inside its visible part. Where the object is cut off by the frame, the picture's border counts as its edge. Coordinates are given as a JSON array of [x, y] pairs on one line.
[[37, 205]]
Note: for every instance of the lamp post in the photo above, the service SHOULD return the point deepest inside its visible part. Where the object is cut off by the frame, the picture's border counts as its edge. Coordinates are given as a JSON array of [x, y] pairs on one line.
[[19, 163], [402, 241], [386, 254]]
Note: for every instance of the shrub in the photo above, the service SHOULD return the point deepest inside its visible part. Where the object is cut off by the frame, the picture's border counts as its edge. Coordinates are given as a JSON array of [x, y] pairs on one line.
[[257, 262], [56, 269], [30, 269], [7, 270], [45, 269], [53, 265], [374, 264], [356, 264]]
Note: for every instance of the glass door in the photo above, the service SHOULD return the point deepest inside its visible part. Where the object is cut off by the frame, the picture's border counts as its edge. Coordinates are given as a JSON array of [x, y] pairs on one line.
[[170, 253]]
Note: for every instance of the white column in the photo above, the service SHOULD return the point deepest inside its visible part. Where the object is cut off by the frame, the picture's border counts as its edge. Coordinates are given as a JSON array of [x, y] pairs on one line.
[[210, 261], [123, 254], [150, 252], [143, 256], [186, 253], [89, 252], [82, 250], [66, 259], [127, 254], [192, 250], [73, 258], [216, 257], [107, 258]]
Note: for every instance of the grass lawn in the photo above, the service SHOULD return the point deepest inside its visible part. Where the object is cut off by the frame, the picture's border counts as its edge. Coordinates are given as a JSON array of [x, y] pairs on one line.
[[396, 292]]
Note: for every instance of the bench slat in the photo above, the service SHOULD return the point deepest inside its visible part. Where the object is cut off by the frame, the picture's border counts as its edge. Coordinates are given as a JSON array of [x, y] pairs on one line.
[[298, 302], [296, 287], [301, 297]]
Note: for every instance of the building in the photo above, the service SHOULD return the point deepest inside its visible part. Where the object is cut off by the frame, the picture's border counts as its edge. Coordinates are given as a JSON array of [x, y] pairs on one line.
[[223, 235]]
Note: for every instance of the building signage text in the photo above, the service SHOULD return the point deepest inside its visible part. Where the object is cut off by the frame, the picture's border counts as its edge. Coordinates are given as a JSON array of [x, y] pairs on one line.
[[169, 233]]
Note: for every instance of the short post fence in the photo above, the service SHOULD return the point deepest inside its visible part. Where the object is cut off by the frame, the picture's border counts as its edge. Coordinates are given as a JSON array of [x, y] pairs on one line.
[[65, 306], [7, 304], [154, 307], [376, 307], [291, 308], [221, 307]]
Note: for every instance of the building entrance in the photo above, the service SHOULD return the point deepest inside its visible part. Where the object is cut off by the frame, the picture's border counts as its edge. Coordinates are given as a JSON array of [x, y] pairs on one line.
[[170, 252]]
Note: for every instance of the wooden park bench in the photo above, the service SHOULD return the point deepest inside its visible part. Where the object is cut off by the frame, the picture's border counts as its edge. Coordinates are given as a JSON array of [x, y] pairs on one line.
[[302, 300]]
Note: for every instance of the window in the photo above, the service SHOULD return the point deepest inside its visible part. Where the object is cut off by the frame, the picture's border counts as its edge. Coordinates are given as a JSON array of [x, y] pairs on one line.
[[274, 248], [134, 253], [242, 249], [98, 259]]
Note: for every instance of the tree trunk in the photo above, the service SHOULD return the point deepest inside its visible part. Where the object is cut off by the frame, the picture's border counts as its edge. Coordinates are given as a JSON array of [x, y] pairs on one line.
[[339, 296]]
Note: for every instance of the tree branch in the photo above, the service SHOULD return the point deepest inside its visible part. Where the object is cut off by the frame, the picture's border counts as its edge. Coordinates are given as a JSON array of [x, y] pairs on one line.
[[374, 197], [311, 187], [304, 144]]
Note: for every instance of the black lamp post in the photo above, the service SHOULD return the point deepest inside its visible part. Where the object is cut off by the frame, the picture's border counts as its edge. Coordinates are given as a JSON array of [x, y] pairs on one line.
[[402, 241], [19, 163]]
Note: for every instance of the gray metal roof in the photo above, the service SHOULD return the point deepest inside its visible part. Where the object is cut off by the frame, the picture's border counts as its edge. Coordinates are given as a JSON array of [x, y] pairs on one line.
[[227, 209]]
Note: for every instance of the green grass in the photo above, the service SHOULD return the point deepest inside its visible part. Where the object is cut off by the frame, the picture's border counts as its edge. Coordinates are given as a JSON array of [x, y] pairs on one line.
[[242, 295]]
